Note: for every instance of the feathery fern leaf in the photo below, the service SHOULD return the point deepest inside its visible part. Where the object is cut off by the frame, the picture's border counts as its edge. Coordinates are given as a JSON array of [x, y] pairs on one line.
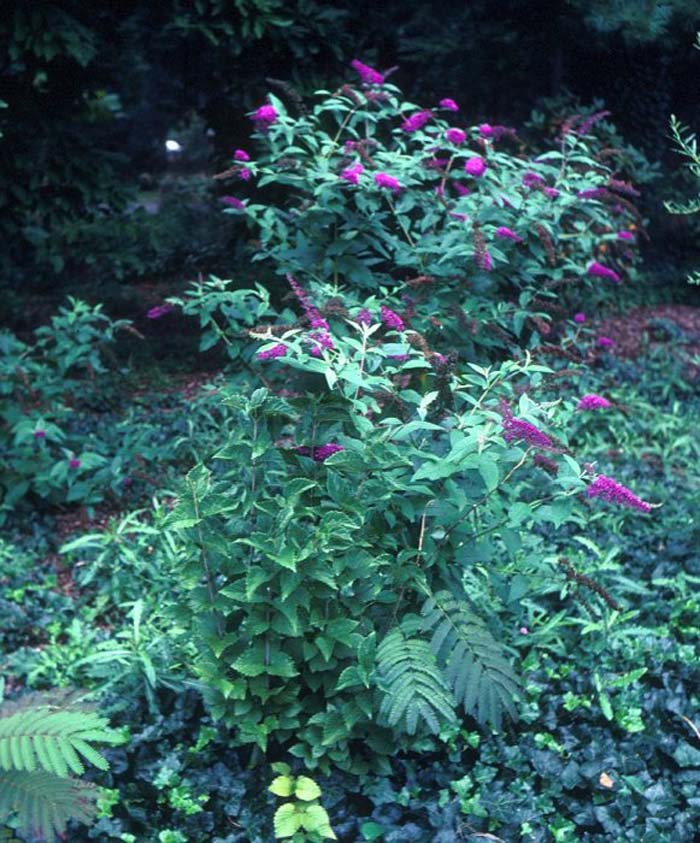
[[51, 739], [472, 661], [412, 683], [44, 802]]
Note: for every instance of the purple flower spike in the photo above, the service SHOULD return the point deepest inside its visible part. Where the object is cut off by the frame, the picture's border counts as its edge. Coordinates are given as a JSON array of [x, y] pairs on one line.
[[552, 192], [160, 310], [449, 104], [244, 174], [233, 202], [579, 318], [364, 317], [486, 130], [368, 74], [597, 270], [610, 490], [40, 434], [520, 430], [241, 155], [352, 174], [264, 117], [73, 463], [322, 453], [278, 350], [391, 319], [531, 179], [605, 342], [625, 235], [416, 121], [508, 234], [387, 181], [592, 402], [455, 136], [475, 166]]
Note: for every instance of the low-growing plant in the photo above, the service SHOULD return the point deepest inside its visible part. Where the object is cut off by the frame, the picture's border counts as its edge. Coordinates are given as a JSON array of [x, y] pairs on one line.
[[303, 820], [41, 455]]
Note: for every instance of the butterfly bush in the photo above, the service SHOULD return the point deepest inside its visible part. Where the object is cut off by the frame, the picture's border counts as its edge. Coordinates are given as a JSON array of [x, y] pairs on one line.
[[378, 191], [421, 253]]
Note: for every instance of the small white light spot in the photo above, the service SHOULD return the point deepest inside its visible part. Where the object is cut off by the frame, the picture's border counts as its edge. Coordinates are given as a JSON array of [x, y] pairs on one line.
[[172, 146]]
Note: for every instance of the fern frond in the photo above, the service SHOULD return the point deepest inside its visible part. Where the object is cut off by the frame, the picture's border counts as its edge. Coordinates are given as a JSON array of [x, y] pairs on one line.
[[473, 662], [414, 688], [51, 739], [42, 803]]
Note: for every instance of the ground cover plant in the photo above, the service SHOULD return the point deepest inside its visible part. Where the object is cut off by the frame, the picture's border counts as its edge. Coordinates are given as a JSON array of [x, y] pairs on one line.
[[422, 563]]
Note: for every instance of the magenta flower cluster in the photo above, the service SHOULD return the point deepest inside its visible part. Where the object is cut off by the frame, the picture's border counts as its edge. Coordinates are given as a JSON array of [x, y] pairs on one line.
[[391, 319], [591, 401], [233, 202], [241, 154], [597, 270], [352, 173], [519, 430], [321, 453], [610, 490], [387, 181], [579, 318], [449, 104], [508, 234], [455, 136], [368, 74], [416, 121], [264, 117], [475, 166], [278, 350], [605, 342], [320, 338], [159, 311]]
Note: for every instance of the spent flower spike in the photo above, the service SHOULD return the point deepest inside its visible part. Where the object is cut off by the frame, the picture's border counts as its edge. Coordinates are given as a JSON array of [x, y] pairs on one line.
[[610, 490]]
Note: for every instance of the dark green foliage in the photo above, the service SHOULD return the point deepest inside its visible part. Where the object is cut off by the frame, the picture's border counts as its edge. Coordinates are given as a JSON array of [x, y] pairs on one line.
[[413, 685], [480, 676]]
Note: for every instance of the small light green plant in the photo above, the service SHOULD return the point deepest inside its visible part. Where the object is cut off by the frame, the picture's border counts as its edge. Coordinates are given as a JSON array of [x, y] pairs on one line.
[[303, 820]]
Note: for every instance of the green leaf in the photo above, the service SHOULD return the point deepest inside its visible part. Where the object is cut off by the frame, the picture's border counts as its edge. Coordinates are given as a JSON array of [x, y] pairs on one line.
[[287, 821], [282, 786], [306, 789], [315, 819]]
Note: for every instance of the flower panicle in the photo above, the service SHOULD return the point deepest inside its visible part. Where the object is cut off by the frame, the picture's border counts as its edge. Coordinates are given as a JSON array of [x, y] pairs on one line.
[[610, 490]]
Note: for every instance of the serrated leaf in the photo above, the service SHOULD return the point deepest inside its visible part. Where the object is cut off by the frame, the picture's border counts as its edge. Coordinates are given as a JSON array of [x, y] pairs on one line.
[[282, 786], [287, 821], [306, 789]]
